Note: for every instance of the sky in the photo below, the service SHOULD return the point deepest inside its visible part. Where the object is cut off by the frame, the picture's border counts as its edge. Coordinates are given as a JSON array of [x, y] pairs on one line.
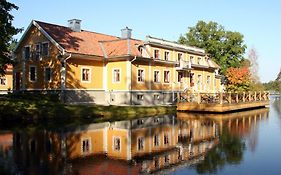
[[258, 20]]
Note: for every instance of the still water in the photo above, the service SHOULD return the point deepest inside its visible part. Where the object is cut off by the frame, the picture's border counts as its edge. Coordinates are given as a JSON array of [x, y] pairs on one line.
[[247, 142]]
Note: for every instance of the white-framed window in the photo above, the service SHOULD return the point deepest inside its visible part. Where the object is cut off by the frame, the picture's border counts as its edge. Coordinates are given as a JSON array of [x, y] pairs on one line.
[[85, 74], [3, 81], [166, 76], [199, 81], [139, 97], [179, 56], [166, 140], [156, 76], [38, 50], [167, 159], [191, 59], [199, 60], [140, 75], [86, 145], [116, 143], [48, 74], [26, 52], [156, 140], [156, 97], [180, 77], [116, 75], [166, 55], [140, 121], [156, 163], [208, 80], [140, 144], [45, 49], [32, 73], [156, 54]]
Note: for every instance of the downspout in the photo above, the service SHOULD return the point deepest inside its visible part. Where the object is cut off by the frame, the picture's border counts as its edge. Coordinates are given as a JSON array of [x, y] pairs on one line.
[[63, 76], [131, 79]]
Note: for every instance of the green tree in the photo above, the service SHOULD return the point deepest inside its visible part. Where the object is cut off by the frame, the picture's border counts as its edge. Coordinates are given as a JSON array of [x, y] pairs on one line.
[[7, 31], [225, 47]]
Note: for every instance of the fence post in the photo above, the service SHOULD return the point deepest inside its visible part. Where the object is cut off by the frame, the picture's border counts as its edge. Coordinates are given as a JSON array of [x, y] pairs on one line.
[[260, 96], [229, 97], [255, 97], [243, 96], [199, 98], [237, 97], [250, 98]]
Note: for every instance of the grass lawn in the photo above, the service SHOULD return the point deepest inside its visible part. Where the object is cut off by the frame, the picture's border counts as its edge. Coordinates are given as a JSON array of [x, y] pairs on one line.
[[35, 106]]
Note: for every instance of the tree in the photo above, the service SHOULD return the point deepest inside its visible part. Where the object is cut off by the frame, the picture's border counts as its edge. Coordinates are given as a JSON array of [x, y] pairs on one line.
[[225, 47], [254, 66], [7, 31], [238, 79]]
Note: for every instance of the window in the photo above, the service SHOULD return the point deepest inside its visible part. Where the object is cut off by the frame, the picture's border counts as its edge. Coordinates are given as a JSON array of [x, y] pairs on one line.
[[32, 73], [166, 139], [3, 81], [140, 143], [167, 159], [199, 59], [116, 144], [140, 121], [141, 50], [191, 59], [167, 55], [140, 75], [156, 140], [180, 77], [116, 75], [199, 81], [166, 76], [27, 52], [139, 97], [86, 146], [156, 78], [191, 79], [208, 80], [86, 74], [179, 56], [38, 50], [45, 49], [156, 162], [156, 97], [48, 74], [156, 54]]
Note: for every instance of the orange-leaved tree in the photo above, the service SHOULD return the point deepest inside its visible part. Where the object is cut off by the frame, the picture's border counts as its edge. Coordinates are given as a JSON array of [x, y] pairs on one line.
[[238, 79]]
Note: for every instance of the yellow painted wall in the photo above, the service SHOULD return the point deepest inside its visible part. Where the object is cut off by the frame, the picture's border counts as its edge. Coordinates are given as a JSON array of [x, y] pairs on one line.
[[122, 134], [32, 37], [9, 82], [74, 74], [74, 141], [147, 78], [122, 85]]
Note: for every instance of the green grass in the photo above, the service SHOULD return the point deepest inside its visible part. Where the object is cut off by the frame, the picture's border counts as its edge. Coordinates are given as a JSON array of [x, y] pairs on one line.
[[29, 107]]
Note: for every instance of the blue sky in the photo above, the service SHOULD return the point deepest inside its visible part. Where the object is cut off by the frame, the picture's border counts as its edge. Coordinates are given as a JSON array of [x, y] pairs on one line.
[[259, 21]]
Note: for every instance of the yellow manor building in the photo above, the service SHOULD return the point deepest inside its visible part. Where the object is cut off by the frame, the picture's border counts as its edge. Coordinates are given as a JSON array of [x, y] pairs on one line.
[[87, 66]]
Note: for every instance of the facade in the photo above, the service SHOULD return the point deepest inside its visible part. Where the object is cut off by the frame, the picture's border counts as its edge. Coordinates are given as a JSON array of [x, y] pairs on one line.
[[92, 67], [6, 81]]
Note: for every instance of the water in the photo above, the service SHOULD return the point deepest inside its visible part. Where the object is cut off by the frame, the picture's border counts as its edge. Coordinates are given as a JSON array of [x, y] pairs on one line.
[[245, 142]]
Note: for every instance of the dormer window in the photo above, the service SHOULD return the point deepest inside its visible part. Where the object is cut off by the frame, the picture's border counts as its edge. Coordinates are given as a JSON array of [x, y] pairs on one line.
[[156, 54], [45, 49]]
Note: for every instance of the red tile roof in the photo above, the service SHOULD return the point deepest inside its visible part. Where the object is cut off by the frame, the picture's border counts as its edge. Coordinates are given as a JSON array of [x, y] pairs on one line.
[[88, 43]]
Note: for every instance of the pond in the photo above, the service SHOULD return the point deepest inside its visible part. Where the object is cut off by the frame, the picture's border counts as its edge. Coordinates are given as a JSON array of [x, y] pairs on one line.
[[246, 142]]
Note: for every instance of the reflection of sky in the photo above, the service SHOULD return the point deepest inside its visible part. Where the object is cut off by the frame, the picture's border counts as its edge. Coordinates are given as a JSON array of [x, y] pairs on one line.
[[265, 159]]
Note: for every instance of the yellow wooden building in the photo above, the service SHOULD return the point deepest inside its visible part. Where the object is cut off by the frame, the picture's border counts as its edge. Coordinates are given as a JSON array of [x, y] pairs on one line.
[[87, 66], [6, 81]]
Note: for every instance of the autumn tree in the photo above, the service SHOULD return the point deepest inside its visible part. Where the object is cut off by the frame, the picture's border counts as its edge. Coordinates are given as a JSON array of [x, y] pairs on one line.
[[226, 48], [7, 31], [238, 79]]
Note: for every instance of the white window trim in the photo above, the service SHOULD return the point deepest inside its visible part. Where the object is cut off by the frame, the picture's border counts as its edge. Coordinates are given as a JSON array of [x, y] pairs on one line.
[[140, 137], [90, 74], [90, 145], [113, 145], [141, 98], [5, 80], [169, 55], [45, 42], [169, 77], [51, 72], [199, 60], [30, 54], [182, 56], [159, 76], [182, 81], [159, 141], [29, 73], [191, 56], [169, 139], [113, 80], [159, 54], [142, 82], [158, 96], [40, 50]]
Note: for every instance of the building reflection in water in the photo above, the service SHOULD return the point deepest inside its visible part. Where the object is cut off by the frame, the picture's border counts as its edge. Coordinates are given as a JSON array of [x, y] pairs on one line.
[[147, 145]]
